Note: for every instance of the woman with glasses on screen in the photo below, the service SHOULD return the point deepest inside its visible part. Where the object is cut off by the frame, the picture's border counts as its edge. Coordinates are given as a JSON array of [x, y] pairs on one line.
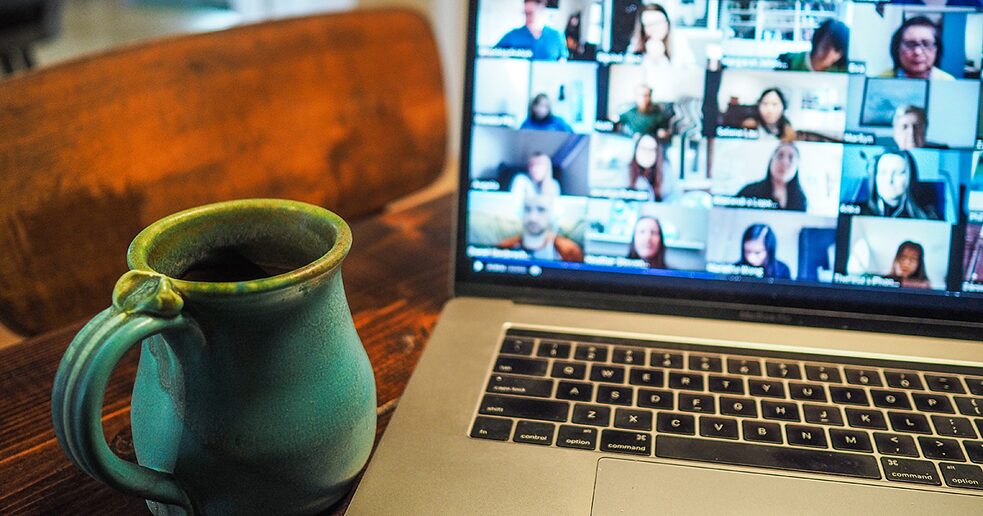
[[908, 267], [758, 247], [781, 183], [893, 189], [648, 243], [916, 49]]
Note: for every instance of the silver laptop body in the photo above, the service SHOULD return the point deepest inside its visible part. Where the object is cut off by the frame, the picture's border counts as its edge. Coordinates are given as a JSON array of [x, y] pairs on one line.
[[714, 370]]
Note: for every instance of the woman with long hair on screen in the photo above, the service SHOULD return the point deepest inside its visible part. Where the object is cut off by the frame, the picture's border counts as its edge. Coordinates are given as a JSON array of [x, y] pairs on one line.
[[758, 246], [781, 183], [893, 190], [661, 49], [647, 243], [541, 117], [769, 116], [830, 47], [908, 267], [645, 172]]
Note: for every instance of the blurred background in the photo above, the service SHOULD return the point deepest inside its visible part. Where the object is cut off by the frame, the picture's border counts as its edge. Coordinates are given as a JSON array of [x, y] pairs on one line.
[[40, 33]]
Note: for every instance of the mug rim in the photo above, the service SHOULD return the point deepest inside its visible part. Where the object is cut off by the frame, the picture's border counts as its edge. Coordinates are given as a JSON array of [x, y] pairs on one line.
[[138, 254]]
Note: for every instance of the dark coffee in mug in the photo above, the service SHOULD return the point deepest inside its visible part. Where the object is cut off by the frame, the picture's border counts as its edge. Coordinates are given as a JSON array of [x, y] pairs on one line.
[[230, 264]]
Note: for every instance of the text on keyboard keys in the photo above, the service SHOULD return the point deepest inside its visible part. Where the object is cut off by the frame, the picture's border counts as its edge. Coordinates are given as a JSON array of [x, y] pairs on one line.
[[633, 419], [807, 391], [580, 437], [576, 391], [534, 433], [630, 356], [941, 449], [850, 440], [862, 377], [670, 423], [941, 383], [910, 471], [970, 406], [635, 443], [517, 346], [822, 414], [526, 408], [646, 377], [721, 428], [738, 407], [848, 395], [705, 363], [516, 365], [932, 403], [569, 370], [554, 349], [787, 370], [666, 359], [614, 395], [965, 476], [596, 415], [520, 386], [953, 426], [655, 399], [863, 418], [493, 428], [779, 410], [766, 388], [903, 380], [696, 403], [609, 374], [726, 384], [890, 399], [819, 373], [686, 381], [801, 435], [974, 450], [591, 353], [748, 367], [909, 422], [762, 432], [895, 444]]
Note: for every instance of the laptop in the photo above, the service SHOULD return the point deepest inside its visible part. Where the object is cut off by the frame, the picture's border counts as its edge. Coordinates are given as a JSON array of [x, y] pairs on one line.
[[711, 257]]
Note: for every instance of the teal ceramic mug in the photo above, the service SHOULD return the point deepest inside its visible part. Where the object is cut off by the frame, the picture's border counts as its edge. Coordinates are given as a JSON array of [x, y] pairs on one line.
[[254, 394]]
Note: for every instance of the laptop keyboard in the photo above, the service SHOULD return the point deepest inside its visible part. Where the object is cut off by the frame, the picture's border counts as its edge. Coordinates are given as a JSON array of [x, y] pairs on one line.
[[859, 418]]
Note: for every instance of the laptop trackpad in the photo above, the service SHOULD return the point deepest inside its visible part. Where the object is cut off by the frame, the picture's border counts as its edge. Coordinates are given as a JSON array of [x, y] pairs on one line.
[[626, 487]]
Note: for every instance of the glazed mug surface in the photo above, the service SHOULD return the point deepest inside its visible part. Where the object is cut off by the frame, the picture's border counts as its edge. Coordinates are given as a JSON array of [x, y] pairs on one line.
[[253, 394]]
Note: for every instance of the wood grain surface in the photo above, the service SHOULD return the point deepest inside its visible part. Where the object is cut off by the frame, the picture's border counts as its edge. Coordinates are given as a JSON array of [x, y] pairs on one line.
[[397, 278], [342, 110]]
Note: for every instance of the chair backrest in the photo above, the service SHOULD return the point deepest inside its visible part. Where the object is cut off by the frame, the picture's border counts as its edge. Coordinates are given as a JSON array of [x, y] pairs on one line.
[[343, 110]]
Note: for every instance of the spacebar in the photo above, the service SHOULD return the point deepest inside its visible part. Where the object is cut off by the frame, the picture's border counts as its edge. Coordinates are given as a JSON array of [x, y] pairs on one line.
[[742, 454]]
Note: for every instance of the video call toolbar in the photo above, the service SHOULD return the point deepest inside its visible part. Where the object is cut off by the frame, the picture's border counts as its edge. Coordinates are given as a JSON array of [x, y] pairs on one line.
[[782, 141]]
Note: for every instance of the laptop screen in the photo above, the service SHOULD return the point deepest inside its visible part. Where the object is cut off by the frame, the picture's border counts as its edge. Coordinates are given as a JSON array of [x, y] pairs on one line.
[[796, 153]]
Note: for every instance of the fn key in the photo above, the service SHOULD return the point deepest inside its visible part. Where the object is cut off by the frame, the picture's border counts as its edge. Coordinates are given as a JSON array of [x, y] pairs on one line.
[[491, 428]]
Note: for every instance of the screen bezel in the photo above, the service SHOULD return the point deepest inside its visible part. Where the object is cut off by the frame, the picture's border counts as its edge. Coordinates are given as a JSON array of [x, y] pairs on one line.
[[939, 315]]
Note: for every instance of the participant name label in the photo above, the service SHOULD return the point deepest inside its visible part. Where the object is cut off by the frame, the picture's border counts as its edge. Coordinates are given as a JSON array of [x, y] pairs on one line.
[[731, 269], [858, 138], [737, 132], [743, 202], [520, 53], [495, 120], [614, 261], [865, 281]]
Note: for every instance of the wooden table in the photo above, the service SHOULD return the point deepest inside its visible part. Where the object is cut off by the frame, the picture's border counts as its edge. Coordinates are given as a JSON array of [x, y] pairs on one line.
[[397, 278]]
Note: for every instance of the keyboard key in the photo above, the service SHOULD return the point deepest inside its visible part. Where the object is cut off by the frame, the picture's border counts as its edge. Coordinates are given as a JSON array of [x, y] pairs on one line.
[[942, 383], [633, 419], [850, 440], [800, 435], [965, 476], [787, 370], [975, 385], [823, 415], [777, 457], [974, 450], [718, 427], [591, 415], [493, 428], [807, 392], [910, 471], [554, 349], [614, 395], [686, 381], [970, 406], [534, 433], [903, 380], [670, 423], [738, 407], [726, 384], [580, 437], [848, 395], [666, 359], [646, 377], [634, 443], [576, 391], [517, 346], [909, 422], [656, 399], [941, 449], [864, 377], [890, 399], [863, 418], [520, 386], [895, 444], [762, 432], [932, 403], [705, 363], [609, 374], [526, 408], [979, 425], [630, 356], [766, 388], [819, 373], [696, 403], [591, 353], [569, 370], [779, 410], [953, 426], [749, 367], [516, 365]]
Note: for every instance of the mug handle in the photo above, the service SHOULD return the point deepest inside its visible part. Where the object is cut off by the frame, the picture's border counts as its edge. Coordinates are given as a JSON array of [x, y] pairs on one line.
[[144, 304]]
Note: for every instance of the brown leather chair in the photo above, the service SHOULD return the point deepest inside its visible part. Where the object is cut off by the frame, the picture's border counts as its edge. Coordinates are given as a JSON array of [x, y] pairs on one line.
[[342, 110]]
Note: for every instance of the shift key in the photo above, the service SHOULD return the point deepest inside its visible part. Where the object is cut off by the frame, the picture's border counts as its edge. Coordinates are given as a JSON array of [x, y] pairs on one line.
[[526, 408]]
